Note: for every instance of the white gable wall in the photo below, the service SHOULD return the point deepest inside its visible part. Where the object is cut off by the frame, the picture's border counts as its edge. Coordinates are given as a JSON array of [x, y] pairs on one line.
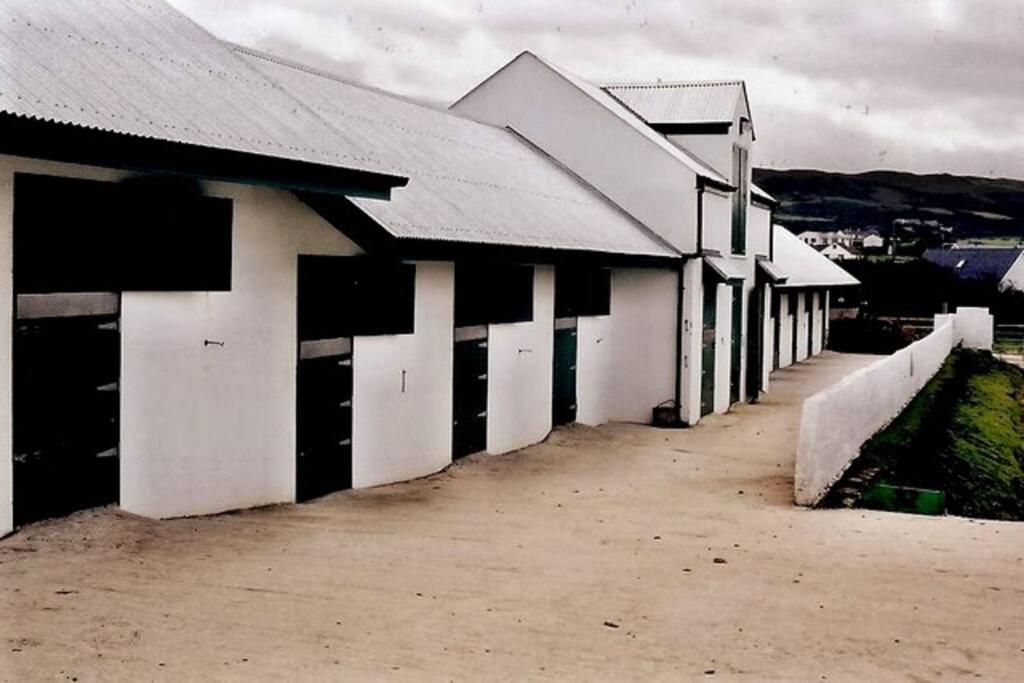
[[566, 123], [1014, 278]]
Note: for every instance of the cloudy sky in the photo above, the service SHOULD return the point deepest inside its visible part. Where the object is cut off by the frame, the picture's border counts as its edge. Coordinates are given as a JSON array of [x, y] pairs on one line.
[[919, 85]]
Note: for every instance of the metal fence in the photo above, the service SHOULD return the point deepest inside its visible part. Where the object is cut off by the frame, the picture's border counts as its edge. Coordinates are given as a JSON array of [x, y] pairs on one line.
[[918, 328], [1008, 340]]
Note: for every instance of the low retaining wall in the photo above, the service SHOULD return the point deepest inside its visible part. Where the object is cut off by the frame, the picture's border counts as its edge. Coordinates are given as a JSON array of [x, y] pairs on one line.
[[836, 422]]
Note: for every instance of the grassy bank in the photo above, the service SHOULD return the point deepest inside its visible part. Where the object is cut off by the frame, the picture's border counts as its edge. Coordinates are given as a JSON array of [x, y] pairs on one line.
[[963, 434]]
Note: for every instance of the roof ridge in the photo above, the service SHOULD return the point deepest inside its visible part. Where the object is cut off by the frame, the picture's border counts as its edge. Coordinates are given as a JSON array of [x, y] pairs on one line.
[[638, 85], [338, 78]]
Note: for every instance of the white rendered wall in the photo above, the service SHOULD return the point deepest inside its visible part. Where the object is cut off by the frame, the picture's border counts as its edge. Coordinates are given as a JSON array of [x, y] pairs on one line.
[[403, 434], [212, 428], [520, 360], [819, 322], [785, 331], [594, 363], [1014, 278], [634, 172], [693, 325], [643, 329], [723, 351], [836, 422], [758, 230], [801, 326], [716, 232]]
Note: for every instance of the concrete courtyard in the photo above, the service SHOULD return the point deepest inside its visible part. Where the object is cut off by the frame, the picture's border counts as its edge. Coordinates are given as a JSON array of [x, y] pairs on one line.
[[623, 552]]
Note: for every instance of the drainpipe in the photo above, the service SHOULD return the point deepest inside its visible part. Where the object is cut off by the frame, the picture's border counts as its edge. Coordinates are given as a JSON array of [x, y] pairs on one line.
[[680, 295]]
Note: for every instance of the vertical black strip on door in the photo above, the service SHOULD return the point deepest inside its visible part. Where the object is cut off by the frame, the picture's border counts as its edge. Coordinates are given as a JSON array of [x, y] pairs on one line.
[[469, 392], [709, 330]]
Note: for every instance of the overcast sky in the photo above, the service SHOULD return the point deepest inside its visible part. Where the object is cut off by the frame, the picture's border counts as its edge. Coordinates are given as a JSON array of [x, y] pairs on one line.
[[919, 85]]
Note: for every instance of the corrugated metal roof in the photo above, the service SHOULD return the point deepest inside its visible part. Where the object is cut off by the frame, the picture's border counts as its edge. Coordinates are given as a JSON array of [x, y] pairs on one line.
[[141, 68], [616, 107], [685, 102], [469, 182], [975, 263], [804, 266]]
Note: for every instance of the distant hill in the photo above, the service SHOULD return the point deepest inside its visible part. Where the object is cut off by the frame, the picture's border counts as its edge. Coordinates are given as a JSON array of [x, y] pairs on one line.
[[820, 200]]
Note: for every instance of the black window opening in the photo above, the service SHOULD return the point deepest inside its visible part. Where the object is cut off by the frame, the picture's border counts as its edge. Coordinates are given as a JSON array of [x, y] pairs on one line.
[[488, 293], [582, 291], [142, 234], [740, 199], [346, 296]]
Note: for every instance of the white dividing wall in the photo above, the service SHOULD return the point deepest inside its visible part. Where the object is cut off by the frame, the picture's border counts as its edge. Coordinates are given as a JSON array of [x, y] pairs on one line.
[[723, 346], [836, 422], [6, 336], [768, 335], [643, 330], [785, 330], [520, 360], [817, 312], [594, 363], [636, 173], [401, 424], [212, 428], [693, 325], [801, 326], [1014, 278]]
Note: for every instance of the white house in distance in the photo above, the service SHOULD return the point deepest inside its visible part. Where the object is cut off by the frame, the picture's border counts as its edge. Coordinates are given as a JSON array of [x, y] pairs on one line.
[[230, 276], [838, 252]]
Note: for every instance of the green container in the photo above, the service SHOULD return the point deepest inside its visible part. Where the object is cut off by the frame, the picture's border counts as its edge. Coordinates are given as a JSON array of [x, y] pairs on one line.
[[905, 499]]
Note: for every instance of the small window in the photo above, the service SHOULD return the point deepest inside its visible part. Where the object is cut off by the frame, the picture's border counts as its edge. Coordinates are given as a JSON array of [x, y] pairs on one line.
[[740, 199], [345, 296], [144, 234], [492, 292], [582, 290]]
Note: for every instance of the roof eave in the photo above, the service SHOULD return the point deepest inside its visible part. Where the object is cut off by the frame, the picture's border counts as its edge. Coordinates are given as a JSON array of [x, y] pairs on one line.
[[69, 143]]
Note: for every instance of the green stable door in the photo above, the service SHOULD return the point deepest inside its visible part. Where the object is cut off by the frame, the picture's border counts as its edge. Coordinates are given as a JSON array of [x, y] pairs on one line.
[[563, 405], [707, 368]]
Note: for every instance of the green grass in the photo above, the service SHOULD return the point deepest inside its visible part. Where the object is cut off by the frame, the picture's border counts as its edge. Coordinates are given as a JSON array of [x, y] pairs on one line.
[[982, 461], [962, 434]]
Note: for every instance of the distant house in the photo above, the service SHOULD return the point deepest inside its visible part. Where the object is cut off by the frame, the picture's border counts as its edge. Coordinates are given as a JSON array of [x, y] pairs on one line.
[[857, 239], [1002, 264], [838, 252], [872, 240]]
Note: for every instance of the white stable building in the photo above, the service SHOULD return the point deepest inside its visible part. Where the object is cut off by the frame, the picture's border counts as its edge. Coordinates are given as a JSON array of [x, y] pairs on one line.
[[235, 280]]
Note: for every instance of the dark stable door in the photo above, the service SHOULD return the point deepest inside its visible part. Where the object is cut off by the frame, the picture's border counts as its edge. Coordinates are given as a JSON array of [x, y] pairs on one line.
[[469, 409], [563, 407], [736, 357], [324, 425], [66, 409], [755, 342], [707, 368]]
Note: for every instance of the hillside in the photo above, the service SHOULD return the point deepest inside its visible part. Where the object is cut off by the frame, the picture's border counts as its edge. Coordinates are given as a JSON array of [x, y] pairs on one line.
[[820, 200]]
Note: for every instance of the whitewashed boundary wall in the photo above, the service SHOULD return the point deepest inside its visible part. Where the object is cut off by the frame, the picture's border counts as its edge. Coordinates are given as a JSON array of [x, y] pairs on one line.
[[836, 422]]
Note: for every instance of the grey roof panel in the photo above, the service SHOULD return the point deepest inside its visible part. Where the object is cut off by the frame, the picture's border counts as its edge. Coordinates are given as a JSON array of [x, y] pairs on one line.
[[685, 102], [141, 68], [469, 182]]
